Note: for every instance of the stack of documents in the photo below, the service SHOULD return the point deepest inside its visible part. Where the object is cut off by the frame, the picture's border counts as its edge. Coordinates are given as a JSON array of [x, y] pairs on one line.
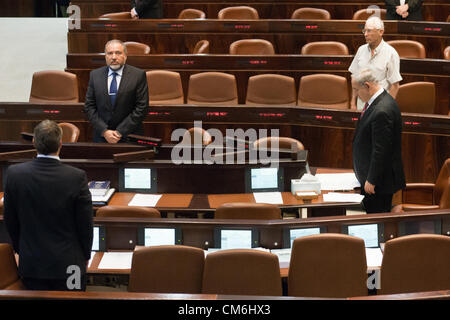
[[342, 197], [102, 200]]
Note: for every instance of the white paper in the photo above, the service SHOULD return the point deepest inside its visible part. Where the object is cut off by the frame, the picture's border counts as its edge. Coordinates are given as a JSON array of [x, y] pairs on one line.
[[144, 200], [338, 181], [268, 197], [116, 260], [284, 256], [342, 197], [374, 257], [92, 256]]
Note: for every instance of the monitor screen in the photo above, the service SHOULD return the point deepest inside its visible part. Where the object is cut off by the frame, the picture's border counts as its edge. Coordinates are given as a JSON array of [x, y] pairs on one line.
[[98, 241], [263, 179], [297, 233], [137, 180], [236, 238], [368, 232], [159, 236]]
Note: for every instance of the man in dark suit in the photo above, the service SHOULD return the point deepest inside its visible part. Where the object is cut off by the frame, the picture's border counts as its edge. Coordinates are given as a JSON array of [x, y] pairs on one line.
[[404, 10], [377, 154], [117, 96], [48, 215], [146, 9]]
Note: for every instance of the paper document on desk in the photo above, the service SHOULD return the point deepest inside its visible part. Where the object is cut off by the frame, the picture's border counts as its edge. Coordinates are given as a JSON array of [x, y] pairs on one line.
[[342, 197], [284, 256], [104, 198], [374, 257], [90, 260], [268, 197], [144, 200], [116, 260], [338, 181]]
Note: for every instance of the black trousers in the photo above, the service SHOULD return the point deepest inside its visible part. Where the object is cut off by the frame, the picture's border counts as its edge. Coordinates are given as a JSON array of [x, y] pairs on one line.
[[51, 284], [376, 203]]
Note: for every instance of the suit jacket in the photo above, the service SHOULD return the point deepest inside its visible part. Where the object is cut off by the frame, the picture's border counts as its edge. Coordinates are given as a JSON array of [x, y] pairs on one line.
[[148, 9], [131, 105], [415, 10], [377, 154], [48, 215]]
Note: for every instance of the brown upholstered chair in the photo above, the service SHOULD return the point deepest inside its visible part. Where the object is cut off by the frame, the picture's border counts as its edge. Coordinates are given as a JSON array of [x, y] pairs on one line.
[[271, 89], [426, 196], [312, 91], [127, 211], [54, 86], [447, 53], [239, 12], [164, 87], [201, 46], [213, 88], [417, 97], [247, 210], [1, 206], [415, 263], [70, 132], [283, 143], [364, 14], [9, 275], [167, 269], [116, 15], [325, 48], [191, 14], [196, 134], [134, 48], [328, 265], [311, 14], [408, 48], [242, 272], [252, 47]]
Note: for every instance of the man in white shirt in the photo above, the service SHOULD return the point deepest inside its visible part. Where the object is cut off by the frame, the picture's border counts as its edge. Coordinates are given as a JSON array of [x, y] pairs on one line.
[[379, 56]]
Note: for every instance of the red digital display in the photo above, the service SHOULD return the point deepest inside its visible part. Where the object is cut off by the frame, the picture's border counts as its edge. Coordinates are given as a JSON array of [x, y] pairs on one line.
[[334, 63], [216, 114], [433, 29], [321, 117], [258, 61], [177, 25], [186, 62], [111, 25], [355, 119], [153, 113], [242, 26], [52, 111], [272, 115], [412, 123], [147, 142], [311, 27]]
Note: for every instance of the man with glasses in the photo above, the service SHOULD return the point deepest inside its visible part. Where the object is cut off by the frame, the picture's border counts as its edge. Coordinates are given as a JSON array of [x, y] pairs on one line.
[[378, 56]]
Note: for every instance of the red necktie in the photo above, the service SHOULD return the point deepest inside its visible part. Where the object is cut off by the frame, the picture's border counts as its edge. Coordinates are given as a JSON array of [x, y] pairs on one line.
[[364, 110]]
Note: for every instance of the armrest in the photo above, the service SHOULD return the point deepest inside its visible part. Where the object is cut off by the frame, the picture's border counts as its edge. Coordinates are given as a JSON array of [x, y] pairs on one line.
[[418, 193], [425, 186]]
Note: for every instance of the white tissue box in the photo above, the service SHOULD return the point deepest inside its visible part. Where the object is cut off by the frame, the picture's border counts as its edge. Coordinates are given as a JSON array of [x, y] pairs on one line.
[[299, 185]]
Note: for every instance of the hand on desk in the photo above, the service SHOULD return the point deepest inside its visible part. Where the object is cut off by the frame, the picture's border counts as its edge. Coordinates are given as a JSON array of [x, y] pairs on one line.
[[112, 136]]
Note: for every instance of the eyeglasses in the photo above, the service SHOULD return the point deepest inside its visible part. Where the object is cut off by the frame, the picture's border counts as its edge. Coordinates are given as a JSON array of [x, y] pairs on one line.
[[368, 30]]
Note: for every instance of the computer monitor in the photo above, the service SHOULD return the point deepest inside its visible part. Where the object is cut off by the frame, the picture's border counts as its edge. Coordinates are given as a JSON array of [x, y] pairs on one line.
[[263, 179], [98, 241], [135, 179], [227, 238], [289, 235], [159, 236], [415, 227], [372, 234]]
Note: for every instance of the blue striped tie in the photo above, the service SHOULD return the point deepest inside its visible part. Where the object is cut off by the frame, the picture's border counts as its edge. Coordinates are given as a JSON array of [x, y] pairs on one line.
[[113, 89]]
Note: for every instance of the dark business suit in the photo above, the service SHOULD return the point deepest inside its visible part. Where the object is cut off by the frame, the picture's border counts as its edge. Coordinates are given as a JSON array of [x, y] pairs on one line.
[[414, 10], [130, 107], [377, 155], [48, 215], [148, 9]]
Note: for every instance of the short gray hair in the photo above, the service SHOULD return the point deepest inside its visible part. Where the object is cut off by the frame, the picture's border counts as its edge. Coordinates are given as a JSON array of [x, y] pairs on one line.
[[117, 41], [375, 22], [365, 75], [47, 137]]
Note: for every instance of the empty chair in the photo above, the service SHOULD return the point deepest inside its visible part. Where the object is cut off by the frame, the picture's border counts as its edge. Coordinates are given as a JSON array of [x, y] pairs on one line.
[[447, 53], [196, 136], [167, 269], [311, 14], [239, 12], [9, 275], [328, 265], [164, 87], [247, 210], [282, 142], [271, 89], [426, 196], [54, 86], [116, 15], [127, 211], [213, 88], [136, 48], [324, 90], [325, 48], [191, 14], [408, 48], [416, 263], [252, 46], [242, 272], [364, 14], [70, 132], [417, 97], [201, 46]]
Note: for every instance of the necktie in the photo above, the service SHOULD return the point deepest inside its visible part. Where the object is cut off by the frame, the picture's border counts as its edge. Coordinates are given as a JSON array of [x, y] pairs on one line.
[[364, 110], [113, 89]]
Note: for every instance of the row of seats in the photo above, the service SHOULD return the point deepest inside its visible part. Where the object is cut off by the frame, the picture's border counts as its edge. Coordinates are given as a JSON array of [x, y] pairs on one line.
[[324, 265], [218, 88]]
